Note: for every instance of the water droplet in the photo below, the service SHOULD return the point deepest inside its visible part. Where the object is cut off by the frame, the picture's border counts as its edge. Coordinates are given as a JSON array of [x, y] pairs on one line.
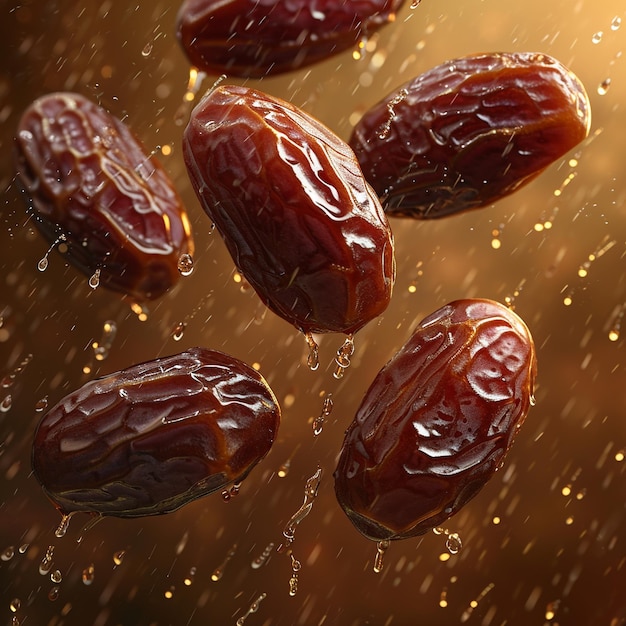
[[94, 280], [179, 331], [46, 563], [147, 50], [118, 557], [385, 127], [381, 548], [23, 548], [185, 265], [327, 407], [343, 357], [63, 526], [263, 557], [188, 581], [532, 400], [254, 607], [614, 334], [140, 311], [218, 572], [89, 574], [42, 266], [415, 3], [616, 22], [296, 566], [603, 87], [42, 404], [56, 576], [453, 543], [313, 359], [597, 37], [169, 593], [5, 405], [7, 554], [15, 605], [283, 470]]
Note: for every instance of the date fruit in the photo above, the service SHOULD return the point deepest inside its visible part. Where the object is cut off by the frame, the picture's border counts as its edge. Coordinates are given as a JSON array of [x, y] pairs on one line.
[[252, 38], [87, 179], [152, 438], [437, 421], [297, 216], [470, 131]]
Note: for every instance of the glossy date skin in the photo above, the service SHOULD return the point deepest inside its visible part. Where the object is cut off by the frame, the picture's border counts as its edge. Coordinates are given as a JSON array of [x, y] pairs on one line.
[[469, 132], [437, 421], [295, 212], [152, 438], [87, 179], [252, 38]]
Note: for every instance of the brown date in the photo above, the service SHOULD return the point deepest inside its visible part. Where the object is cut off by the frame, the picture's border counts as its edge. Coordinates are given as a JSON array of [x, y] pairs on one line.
[[296, 214], [253, 39], [87, 179], [470, 131], [152, 438], [437, 421]]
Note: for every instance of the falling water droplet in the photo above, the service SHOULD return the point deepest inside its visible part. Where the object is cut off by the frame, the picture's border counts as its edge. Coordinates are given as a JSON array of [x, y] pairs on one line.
[[15, 605], [94, 280], [296, 566], [46, 563], [42, 404], [179, 331], [616, 22], [188, 580], [603, 87], [185, 265], [7, 554], [313, 358], [415, 3], [283, 470], [381, 548], [327, 407], [260, 560], [343, 357], [89, 574], [453, 543], [5, 405], [147, 50], [597, 37], [42, 266], [118, 557], [63, 526], [254, 607], [218, 572], [56, 576]]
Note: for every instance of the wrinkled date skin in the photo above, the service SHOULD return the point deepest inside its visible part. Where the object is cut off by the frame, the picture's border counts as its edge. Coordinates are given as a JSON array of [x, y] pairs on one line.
[[470, 131], [252, 38], [86, 178], [152, 438], [437, 421], [297, 216]]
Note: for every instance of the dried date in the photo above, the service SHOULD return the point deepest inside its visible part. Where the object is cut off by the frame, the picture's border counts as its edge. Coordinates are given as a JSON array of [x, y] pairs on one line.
[[87, 178], [152, 438], [470, 131], [437, 421], [296, 214], [252, 39]]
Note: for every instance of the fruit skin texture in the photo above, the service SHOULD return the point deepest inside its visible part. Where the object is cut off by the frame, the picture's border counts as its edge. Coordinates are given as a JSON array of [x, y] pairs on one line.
[[252, 38], [296, 214], [86, 177], [437, 421], [152, 438], [469, 132]]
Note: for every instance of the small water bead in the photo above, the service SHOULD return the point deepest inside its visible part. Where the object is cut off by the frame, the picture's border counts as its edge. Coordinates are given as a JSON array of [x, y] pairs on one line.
[[596, 38], [7, 554], [603, 87], [254, 607], [46, 563], [147, 50], [296, 566], [7, 381], [53, 594], [185, 265], [312, 361], [94, 280], [41, 405], [88, 574], [343, 357], [188, 580], [169, 593], [23, 548], [453, 543], [263, 557], [118, 557], [283, 470], [6, 404], [43, 263], [179, 331], [327, 407], [415, 4], [616, 22], [218, 572], [381, 548], [56, 576], [15, 605], [63, 526]]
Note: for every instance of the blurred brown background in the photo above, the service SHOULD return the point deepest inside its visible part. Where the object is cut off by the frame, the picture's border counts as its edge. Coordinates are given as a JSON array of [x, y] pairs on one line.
[[543, 543]]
